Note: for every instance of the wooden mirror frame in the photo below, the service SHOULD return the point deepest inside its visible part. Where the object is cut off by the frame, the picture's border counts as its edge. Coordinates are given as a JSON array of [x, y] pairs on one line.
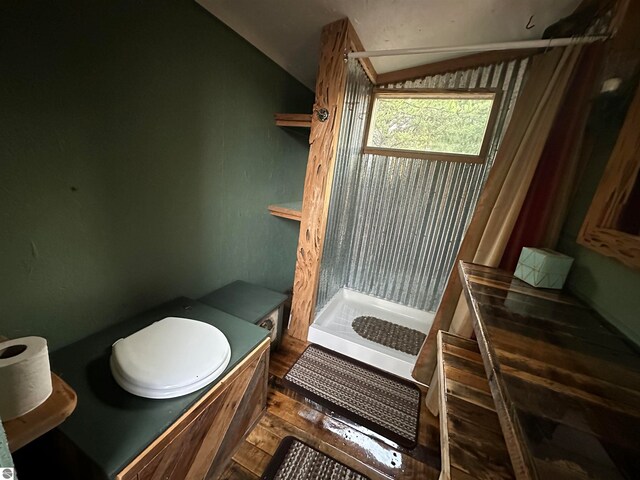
[[599, 231]]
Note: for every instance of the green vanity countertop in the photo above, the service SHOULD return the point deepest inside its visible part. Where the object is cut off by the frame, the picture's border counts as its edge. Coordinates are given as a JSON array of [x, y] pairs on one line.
[[249, 302], [111, 426]]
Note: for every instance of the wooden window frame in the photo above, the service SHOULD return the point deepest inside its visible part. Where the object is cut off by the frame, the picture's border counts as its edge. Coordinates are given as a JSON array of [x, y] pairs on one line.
[[495, 95], [599, 230]]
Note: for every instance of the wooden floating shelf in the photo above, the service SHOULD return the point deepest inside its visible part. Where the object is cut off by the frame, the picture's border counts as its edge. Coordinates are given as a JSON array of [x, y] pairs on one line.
[[293, 120], [291, 210], [55, 409], [471, 441]]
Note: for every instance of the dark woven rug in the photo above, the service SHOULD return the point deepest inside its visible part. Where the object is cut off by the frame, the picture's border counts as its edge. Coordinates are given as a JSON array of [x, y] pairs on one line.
[[375, 399], [295, 460], [389, 334]]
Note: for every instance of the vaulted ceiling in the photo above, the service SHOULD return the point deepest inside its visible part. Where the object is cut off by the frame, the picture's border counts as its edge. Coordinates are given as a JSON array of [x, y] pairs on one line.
[[288, 31]]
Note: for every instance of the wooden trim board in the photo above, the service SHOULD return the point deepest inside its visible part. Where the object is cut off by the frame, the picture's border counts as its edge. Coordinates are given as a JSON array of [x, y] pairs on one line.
[[356, 46], [445, 472], [336, 40], [452, 64], [436, 156]]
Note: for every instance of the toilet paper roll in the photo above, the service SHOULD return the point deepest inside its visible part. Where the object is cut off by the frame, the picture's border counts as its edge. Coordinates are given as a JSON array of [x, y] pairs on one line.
[[25, 378]]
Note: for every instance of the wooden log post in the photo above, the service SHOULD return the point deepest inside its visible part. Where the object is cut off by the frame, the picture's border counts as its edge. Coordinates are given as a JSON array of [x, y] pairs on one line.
[[337, 39]]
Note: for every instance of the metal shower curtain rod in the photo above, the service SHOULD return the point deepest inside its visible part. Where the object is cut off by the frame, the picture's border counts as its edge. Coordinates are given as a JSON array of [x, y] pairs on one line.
[[484, 47]]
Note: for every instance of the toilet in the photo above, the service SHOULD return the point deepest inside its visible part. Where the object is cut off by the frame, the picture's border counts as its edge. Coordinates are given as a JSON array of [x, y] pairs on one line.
[[170, 358]]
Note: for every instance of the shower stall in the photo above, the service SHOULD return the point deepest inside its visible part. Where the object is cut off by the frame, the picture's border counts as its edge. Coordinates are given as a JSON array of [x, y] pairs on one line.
[[395, 226]]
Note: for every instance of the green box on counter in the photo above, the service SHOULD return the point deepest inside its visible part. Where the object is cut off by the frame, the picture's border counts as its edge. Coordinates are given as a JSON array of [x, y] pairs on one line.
[[543, 267]]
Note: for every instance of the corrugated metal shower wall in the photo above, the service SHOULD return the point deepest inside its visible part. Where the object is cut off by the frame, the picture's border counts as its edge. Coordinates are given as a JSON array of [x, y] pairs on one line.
[[334, 269], [396, 224]]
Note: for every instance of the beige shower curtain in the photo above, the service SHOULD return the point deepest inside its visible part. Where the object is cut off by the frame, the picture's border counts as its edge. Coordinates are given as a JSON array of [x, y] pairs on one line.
[[503, 195]]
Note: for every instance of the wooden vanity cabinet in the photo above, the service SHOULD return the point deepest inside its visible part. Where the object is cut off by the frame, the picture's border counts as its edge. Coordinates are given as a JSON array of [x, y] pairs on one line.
[[200, 443]]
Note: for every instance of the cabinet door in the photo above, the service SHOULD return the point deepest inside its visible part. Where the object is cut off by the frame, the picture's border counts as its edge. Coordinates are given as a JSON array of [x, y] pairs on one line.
[[188, 449], [175, 460]]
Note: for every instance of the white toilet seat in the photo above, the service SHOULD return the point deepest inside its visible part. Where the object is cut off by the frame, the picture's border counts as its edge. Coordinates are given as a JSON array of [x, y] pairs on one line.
[[141, 391], [170, 358]]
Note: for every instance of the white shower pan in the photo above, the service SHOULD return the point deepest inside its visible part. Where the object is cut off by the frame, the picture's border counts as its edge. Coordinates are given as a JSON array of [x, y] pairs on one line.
[[332, 329]]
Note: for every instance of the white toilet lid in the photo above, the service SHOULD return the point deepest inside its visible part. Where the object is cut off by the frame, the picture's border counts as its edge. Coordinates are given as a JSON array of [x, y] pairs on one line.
[[169, 358]]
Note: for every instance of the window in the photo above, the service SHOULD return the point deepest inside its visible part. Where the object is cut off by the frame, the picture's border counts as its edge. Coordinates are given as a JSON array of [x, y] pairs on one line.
[[436, 125]]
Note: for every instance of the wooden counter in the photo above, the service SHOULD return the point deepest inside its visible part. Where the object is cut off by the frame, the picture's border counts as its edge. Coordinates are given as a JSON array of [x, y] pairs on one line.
[[566, 384]]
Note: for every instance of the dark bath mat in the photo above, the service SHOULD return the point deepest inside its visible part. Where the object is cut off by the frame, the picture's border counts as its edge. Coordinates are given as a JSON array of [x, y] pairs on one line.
[[389, 334], [375, 399], [295, 460]]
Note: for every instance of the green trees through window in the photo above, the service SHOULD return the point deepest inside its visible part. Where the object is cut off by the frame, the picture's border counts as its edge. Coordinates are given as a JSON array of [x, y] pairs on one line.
[[447, 123]]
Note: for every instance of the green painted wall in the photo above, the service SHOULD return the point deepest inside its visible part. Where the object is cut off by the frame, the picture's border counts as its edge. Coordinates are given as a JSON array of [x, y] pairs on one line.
[[606, 284], [138, 155]]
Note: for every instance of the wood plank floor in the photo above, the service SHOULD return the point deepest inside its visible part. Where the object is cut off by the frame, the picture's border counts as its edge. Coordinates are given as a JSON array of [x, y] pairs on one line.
[[289, 413]]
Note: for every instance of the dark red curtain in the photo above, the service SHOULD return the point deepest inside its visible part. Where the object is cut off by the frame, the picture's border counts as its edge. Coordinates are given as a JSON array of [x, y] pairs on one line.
[[545, 206]]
